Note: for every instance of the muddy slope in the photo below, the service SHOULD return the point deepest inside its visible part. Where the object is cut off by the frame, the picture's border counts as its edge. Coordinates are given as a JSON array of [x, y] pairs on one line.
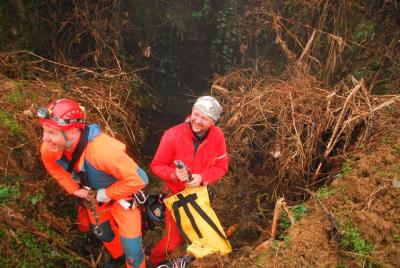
[[364, 199]]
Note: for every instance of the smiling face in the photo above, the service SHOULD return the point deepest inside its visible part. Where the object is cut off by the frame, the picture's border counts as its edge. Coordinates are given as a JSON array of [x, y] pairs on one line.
[[201, 122], [56, 141], [54, 138]]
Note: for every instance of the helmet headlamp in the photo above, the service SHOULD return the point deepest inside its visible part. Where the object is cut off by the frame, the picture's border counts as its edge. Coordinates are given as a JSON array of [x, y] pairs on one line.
[[63, 114], [43, 113]]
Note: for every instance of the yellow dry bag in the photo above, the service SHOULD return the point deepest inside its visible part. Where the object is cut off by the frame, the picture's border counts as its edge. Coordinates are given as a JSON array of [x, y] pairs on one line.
[[197, 222]]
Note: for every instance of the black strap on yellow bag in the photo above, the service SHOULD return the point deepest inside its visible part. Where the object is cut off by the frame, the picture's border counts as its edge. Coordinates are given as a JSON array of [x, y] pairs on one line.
[[197, 222], [183, 202]]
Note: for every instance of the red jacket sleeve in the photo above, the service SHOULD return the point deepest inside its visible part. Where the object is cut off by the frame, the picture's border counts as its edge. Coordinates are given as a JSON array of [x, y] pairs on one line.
[[160, 165], [56, 171], [219, 165]]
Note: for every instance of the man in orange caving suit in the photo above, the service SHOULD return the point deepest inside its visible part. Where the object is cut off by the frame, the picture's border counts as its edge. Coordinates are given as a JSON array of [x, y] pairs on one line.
[[106, 168]]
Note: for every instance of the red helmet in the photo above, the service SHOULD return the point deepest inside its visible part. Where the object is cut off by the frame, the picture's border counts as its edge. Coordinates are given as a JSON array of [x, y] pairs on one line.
[[62, 114]]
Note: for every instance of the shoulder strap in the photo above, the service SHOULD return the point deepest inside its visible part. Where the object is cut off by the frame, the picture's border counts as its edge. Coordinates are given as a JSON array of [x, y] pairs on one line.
[[79, 149]]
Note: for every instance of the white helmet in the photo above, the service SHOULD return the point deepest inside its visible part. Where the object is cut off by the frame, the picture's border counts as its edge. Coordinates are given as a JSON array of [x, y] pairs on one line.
[[209, 106]]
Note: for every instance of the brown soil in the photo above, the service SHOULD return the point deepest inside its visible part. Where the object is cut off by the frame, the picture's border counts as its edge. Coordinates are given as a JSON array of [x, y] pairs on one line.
[[366, 196]]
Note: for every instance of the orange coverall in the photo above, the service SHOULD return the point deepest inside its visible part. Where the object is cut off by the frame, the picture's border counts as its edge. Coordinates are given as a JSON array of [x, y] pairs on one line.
[[106, 166]]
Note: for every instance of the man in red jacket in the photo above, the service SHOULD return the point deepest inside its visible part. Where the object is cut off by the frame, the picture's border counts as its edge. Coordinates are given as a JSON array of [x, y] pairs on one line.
[[200, 145], [101, 165]]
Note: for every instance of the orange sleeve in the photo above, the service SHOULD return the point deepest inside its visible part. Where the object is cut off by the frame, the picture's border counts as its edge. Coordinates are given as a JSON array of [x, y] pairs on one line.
[[108, 155], [56, 171]]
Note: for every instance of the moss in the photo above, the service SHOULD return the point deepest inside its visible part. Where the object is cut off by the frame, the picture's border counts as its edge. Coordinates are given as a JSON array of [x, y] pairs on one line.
[[325, 192], [8, 193], [18, 94], [32, 252], [10, 123]]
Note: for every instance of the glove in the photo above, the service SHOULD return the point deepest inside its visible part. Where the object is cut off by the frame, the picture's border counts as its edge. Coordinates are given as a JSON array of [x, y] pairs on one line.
[[101, 196]]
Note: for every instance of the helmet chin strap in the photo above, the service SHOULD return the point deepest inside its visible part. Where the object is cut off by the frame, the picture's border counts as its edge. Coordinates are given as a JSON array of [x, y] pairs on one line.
[[68, 142]]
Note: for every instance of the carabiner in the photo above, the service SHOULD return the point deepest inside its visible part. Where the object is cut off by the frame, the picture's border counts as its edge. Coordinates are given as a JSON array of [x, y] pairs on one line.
[[140, 197], [98, 230]]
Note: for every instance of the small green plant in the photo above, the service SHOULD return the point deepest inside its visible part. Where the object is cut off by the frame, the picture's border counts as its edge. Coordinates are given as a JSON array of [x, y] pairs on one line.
[[346, 169], [365, 31], [363, 73], [297, 211], [284, 221], [8, 193], [352, 240], [324, 192], [388, 139], [36, 198], [275, 245], [286, 241], [7, 121], [204, 11]]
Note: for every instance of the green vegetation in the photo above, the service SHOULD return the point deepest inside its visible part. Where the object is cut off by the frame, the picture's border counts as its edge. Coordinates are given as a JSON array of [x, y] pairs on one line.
[[325, 192], [182, 17], [33, 252], [287, 240], [8, 193], [364, 31], [16, 97], [225, 42], [352, 240], [9, 122], [346, 169], [360, 74], [36, 198], [388, 139], [45, 227], [297, 211], [275, 245], [261, 258], [204, 11]]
